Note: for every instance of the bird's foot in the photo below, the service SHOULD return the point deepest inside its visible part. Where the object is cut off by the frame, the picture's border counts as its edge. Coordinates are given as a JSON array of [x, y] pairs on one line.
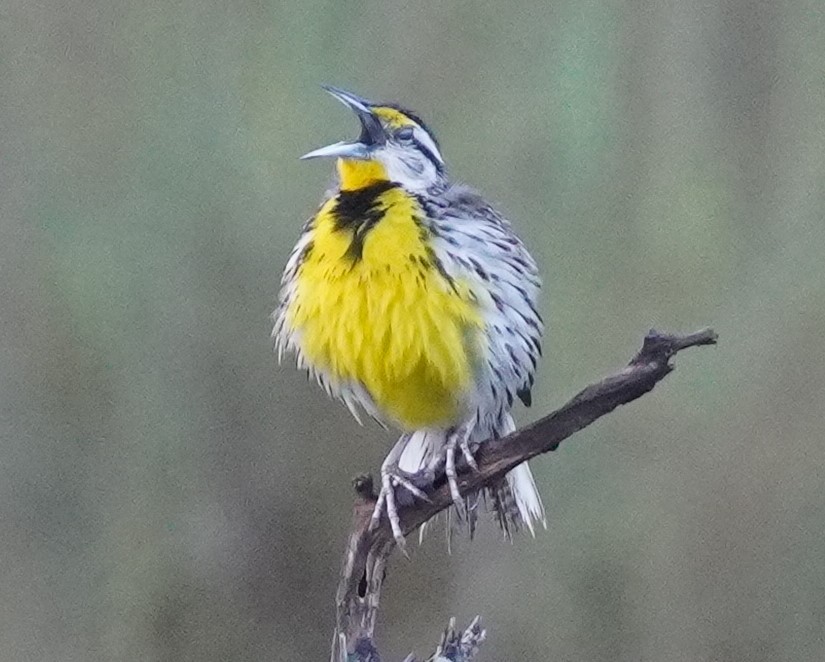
[[458, 441], [409, 488]]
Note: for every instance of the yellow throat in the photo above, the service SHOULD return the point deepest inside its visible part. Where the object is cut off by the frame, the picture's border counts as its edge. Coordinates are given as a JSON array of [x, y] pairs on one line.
[[374, 305]]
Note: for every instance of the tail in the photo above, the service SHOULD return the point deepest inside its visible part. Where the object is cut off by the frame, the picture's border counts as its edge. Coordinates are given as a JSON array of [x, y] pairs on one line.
[[515, 500]]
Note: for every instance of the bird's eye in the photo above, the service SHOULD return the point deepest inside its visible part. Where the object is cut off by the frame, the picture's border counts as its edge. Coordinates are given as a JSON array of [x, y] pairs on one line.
[[405, 133]]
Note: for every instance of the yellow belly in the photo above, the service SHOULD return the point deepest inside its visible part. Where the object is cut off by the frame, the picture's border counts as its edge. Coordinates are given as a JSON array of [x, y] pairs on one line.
[[389, 320]]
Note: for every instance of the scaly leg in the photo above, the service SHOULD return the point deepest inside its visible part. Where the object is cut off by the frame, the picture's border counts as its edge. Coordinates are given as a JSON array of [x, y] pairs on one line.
[[464, 445], [452, 479], [460, 439], [392, 477]]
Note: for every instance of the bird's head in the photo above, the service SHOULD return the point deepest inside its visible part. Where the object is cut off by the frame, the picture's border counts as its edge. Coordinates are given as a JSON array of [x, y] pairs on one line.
[[394, 145]]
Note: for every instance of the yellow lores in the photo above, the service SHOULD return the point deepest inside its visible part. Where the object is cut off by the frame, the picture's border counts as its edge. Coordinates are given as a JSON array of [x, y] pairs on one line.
[[371, 305]]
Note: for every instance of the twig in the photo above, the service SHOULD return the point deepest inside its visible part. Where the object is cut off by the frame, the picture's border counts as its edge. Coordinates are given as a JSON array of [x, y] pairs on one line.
[[367, 551]]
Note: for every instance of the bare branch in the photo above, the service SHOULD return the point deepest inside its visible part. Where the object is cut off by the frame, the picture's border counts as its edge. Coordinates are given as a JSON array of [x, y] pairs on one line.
[[367, 551]]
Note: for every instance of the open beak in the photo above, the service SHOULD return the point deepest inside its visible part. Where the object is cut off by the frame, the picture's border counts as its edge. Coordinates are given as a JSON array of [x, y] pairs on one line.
[[372, 133]]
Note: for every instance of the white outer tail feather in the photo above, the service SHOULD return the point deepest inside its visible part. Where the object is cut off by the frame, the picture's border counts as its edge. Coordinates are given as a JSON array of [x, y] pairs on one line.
[[523, 486], [527, 497]]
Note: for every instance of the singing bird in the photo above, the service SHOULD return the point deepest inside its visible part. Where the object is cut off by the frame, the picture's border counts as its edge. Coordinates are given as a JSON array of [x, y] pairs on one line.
[[408, 296]]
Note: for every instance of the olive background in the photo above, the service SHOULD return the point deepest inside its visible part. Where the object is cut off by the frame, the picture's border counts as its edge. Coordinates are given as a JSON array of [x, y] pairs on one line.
[[168, 492]]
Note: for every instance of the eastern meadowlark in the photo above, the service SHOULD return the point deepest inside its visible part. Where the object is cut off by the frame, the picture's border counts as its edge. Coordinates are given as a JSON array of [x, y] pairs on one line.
[[409, 297]]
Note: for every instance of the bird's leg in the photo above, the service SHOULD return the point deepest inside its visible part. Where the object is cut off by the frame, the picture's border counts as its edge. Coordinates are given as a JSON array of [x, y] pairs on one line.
[[392, 477], [452, 479], [460, 439], [464, 445]]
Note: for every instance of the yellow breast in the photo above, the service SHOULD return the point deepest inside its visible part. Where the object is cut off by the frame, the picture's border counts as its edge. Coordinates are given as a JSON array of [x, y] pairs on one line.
[[372, 305]]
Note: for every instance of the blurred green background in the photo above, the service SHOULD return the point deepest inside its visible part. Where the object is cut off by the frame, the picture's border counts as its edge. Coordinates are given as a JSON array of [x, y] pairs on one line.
[[167, 492]]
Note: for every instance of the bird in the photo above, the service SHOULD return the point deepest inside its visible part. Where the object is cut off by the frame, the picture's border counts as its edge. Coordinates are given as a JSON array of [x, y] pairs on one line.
[[410, 298]]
